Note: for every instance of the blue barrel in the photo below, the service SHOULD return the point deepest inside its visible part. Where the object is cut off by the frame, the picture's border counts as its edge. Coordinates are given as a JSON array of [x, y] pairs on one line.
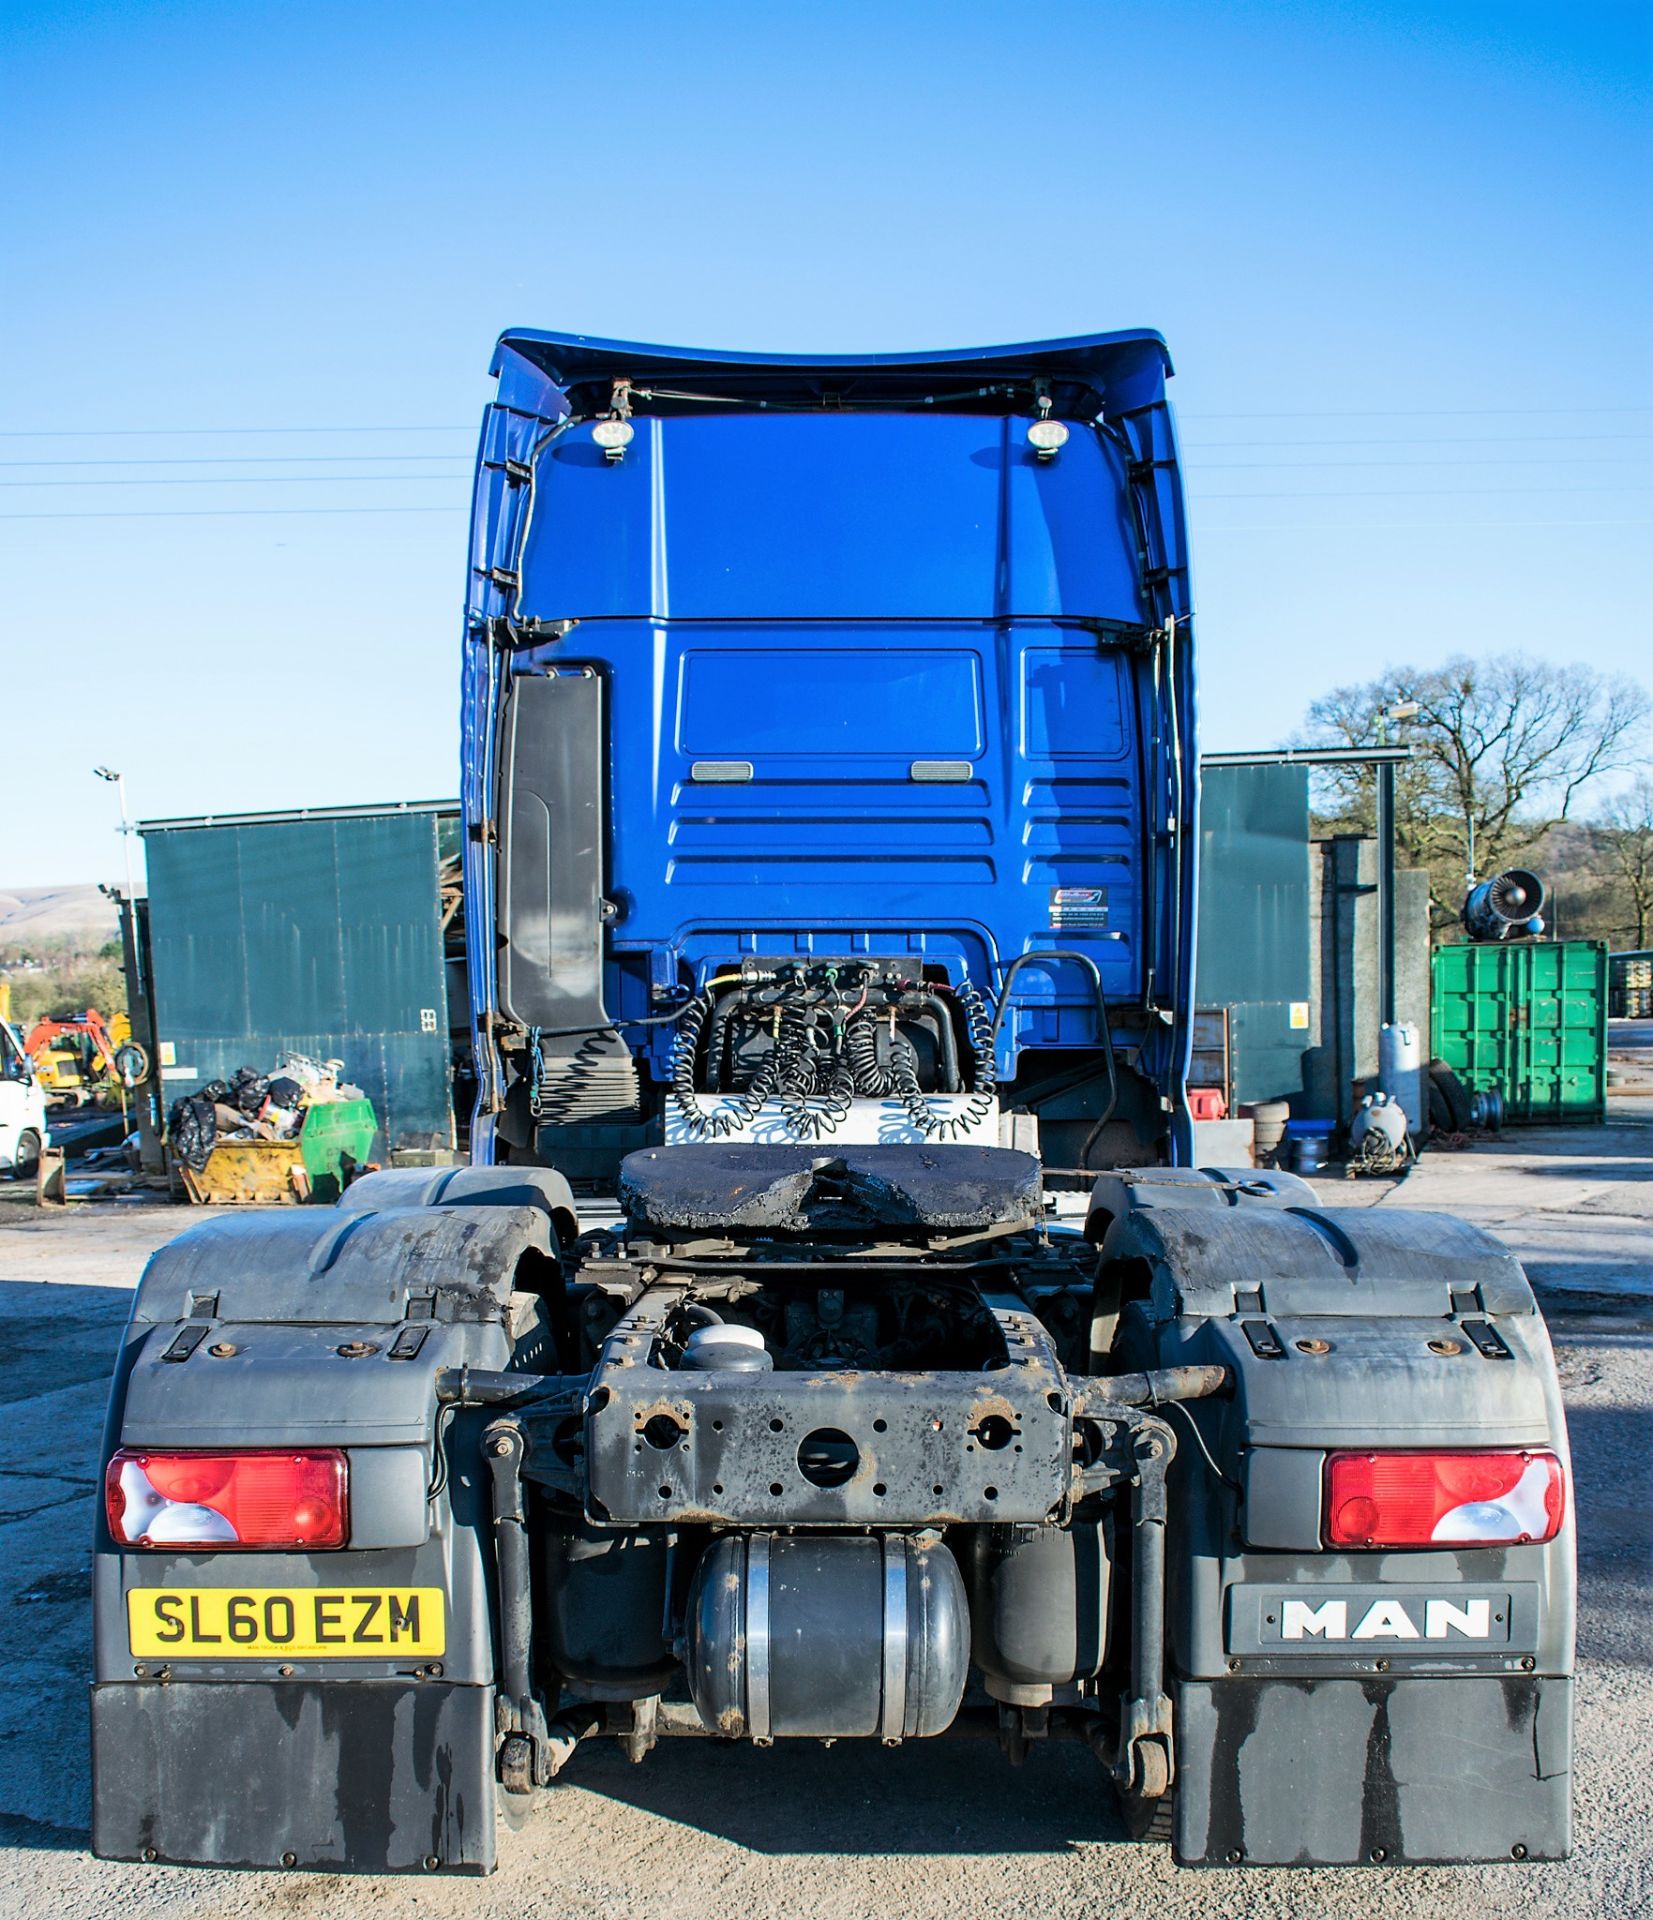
[[1308, 1144]]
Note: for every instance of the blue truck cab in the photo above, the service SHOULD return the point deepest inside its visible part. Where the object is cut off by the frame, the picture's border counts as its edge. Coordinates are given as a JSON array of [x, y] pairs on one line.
[[881, 666]]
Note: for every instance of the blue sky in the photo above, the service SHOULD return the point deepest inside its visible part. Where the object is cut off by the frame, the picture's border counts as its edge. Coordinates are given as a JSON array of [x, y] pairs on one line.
[[255, 257]]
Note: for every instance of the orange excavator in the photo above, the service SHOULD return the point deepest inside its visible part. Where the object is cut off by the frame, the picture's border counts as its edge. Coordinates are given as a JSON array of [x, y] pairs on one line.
[[79, 1057]]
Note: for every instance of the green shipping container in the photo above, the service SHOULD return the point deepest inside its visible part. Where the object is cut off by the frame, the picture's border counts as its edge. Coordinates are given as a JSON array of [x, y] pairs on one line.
[[1530, 1019]]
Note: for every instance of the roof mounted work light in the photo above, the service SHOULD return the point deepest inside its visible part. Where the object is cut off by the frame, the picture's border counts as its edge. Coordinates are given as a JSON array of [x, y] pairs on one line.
[[614, 436], [1047, 438]]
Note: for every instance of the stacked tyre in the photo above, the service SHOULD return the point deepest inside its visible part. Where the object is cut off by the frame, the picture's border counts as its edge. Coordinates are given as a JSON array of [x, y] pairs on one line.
[[1450, 1103], [1268, 1130]]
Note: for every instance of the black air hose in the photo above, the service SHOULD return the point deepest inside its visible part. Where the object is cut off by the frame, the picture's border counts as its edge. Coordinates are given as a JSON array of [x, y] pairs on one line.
[[801, 1077], [947, 1053], [1103, 1025], [738, 1113], [723, 1011], [870, 1080]]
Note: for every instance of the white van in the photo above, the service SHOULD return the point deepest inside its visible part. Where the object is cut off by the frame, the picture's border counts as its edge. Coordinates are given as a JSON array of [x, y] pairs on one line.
[[22, 1108]]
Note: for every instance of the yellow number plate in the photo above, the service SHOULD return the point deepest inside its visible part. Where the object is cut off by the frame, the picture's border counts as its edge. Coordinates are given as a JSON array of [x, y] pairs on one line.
[[309, 1623]]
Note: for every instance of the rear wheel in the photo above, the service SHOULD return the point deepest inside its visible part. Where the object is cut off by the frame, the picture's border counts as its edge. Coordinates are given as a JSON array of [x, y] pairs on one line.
[[1148, 1806], [26, 1157], [514, 1808], [1151, 1821], [1453, 1093]]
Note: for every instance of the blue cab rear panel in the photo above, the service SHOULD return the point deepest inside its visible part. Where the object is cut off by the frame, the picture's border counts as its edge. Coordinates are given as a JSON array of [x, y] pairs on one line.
[[877, 680]]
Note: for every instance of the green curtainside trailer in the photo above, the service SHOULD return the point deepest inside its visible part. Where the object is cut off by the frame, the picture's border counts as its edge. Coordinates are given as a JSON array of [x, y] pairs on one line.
[[1529, 1019]]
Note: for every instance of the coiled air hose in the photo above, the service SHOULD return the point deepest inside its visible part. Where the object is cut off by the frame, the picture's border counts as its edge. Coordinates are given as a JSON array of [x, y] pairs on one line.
[[871, 1080], [816, 1086], [982, 1029], [740, 1110], [814, 1104]]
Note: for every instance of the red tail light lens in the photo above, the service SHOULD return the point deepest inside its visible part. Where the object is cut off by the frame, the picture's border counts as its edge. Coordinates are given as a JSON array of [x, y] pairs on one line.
[[1443, 1499], [222, 1502]]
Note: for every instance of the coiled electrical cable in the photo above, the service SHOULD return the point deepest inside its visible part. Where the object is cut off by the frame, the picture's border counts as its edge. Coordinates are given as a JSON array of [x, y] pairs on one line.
[[739, 1110], [870, 1079], [816, 1080], [984, 1091], [815, 1103]]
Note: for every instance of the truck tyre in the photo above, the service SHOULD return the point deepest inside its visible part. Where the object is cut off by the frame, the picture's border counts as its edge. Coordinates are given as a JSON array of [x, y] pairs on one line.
[[1151, 1822], [1149, 1817], [1452, 1092], [26, 1158], [514, 1808]]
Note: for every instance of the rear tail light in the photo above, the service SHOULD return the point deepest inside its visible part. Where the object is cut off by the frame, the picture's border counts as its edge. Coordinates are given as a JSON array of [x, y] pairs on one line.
[[1443, 1499], [224, 1501]]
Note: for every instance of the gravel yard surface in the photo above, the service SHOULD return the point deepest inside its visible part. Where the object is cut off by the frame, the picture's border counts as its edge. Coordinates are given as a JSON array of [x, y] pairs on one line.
[[945, 1829]]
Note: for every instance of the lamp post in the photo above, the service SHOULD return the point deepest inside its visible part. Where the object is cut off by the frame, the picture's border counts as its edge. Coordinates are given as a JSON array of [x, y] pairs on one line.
[[1396, 711], [119, 780]]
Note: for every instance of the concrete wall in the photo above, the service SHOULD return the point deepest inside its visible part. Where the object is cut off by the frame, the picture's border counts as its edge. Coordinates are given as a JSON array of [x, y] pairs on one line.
[[1344, 1011]]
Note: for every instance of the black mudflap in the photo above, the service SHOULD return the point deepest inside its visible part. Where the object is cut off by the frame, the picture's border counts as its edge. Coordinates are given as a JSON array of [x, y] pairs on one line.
[[1279, 1772], [349, 1776]]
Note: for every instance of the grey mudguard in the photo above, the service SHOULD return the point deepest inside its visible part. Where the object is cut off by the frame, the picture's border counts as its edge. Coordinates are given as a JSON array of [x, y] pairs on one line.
[[1137, 1187], [1339, 1706], [316, 1328], [344, 1266], [398, 1187]]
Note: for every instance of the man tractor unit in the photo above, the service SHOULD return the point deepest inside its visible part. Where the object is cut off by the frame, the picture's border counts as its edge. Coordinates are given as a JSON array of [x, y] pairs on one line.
[[831, 809]]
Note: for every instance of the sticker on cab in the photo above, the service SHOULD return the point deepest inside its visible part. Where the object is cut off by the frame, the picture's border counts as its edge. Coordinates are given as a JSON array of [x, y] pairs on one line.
[[310, 1623], [1079, 907]]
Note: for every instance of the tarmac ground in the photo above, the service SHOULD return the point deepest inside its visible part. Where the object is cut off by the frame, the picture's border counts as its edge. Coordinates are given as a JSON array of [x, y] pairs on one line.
[[930, 1829]]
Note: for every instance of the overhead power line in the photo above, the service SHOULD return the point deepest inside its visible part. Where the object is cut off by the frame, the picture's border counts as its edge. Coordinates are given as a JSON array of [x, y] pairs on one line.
[[1265, 413], [1411, 413], [246, 460], [1419, 440], [1370, 529], [261, 480], [1349, 466], [172, 433], [1414, 493], [217, 513]]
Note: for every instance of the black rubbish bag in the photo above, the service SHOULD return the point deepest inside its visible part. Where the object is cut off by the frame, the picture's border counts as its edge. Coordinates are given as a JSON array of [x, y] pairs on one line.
[[193, 1127], [249, 1092]]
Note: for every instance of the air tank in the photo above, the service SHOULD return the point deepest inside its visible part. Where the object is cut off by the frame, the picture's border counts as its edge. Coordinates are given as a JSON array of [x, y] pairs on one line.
[[1400, 1073], [603, 1612], [827, 1636]]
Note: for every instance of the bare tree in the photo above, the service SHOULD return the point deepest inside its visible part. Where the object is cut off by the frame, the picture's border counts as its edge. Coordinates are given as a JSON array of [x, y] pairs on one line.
[[1503, 747], [1629, 820]]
